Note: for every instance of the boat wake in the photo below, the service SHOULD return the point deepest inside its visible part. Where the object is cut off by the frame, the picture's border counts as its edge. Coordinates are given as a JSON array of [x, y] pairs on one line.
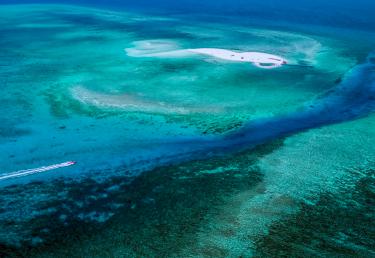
[[28, 172]]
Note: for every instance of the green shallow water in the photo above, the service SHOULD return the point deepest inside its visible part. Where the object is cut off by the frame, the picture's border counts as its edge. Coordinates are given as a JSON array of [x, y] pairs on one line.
[[74, 70], [72, 93]]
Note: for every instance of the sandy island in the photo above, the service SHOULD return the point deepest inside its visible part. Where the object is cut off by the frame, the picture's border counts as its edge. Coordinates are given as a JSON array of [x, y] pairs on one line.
[[261, 60], [161, 49]]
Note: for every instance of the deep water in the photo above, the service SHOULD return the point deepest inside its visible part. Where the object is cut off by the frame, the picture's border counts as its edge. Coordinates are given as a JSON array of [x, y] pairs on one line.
[[187, 156], [353, 98]]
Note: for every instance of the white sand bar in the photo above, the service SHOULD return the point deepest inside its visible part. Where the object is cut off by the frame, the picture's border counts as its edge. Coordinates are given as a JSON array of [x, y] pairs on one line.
[[170, 49], [261, 60]]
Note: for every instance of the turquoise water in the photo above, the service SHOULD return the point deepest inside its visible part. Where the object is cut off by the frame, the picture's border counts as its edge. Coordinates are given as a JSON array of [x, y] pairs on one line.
[[189, 155]]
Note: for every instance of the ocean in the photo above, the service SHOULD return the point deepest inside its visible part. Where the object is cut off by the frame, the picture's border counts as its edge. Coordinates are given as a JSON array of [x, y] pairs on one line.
[[129, 130]]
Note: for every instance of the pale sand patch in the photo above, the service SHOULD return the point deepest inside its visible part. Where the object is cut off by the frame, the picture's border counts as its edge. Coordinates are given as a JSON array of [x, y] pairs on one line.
[[134, 103]]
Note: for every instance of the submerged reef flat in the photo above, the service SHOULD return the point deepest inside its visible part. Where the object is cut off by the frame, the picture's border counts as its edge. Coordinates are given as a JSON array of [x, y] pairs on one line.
[[166, 144], [171, 201], [257, 203]]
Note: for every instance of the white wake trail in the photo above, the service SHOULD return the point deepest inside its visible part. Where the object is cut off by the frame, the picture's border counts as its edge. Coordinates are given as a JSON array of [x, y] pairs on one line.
[[28, 172]]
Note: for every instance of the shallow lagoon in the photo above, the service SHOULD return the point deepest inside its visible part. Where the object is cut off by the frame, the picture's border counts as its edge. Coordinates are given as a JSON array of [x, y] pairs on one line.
[[67, 94], [86, 75]]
